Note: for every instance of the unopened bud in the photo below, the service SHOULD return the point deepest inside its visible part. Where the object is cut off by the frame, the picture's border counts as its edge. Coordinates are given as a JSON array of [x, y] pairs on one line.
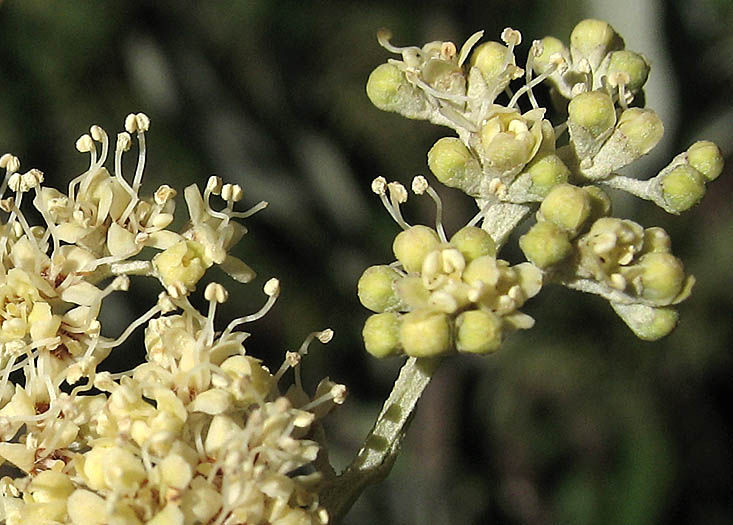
[[547, 172], [478, 332], [642, 128], [453, 164], [593, 39], [593, 110], [647, 322], [425, 333], [633, 64], [412, 245], [662, 277], [376, 288], [682, 188], [706, 158], [383, 87], [568, 207], [545, 244], [473, 242], [381, 334], [491, 59]]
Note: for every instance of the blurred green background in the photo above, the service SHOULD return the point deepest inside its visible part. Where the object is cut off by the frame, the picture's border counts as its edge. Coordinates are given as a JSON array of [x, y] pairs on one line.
[[575, 421]]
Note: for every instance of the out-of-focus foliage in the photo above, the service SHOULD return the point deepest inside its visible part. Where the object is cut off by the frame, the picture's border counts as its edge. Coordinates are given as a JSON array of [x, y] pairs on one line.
[[574, 421]]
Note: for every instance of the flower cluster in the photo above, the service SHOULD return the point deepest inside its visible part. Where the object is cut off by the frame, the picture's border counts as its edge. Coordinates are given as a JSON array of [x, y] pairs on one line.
[[442, 294], [513, 161], [198, 433]]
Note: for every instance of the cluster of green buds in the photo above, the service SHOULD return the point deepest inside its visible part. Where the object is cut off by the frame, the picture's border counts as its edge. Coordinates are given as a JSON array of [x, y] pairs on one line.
[[578, 244], [442, 295], [198, 433], [514, 161]]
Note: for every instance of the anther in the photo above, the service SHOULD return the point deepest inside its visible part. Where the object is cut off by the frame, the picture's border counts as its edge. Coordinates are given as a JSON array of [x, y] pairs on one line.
[[84, 144], [272, 287], [123, 141], [163, 194], [142, 122], [214, 185], [419, 185], [379, 185], [216, 292], [325, 336], [397, 193], [131, 123], [511, 36], [448, 50]]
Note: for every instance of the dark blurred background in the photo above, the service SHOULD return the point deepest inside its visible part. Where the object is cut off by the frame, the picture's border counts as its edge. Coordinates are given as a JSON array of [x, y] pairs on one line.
[[575, 421]]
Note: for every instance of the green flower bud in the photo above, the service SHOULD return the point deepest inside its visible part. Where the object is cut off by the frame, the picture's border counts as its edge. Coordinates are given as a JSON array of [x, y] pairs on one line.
[[656, 240], [600, 202], [376, 288], [546, 172], [545, 244], [662, 277], [647, 322], [473, 242], [642, 128], [593, 111], [568, 207], [706, 158], [550, 46], [490, 58], [383, 87], [593, 39], [453, 164], [482, 269], [381, 334], [478, 332], [425, 333], [682, 188], [412, 245], [632, 64]]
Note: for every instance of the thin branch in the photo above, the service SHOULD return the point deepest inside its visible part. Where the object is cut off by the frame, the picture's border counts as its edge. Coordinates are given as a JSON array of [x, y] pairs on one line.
[[374, 461]]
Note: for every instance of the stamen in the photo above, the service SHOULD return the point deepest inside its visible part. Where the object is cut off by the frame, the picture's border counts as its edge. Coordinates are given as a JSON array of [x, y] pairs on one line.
[[215, 294], [379, 186], [511, 37], [123, 145], [337, 393], [324, 336], [133, 326], [50, 225], [272, 289], [419, 186], [11, 164], [139, 123], [248, 213], [481, 213], [292, 359], [397, 196], [383, 37], [100, 135], [530, 83], [618, 80], [453, 97]]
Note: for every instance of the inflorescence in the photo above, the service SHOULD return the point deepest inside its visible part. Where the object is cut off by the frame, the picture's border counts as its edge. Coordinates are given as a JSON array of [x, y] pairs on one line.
[[443, 295], [198, 433]]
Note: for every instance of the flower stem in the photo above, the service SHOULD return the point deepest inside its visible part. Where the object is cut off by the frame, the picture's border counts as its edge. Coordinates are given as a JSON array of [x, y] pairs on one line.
[[379, 452]]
